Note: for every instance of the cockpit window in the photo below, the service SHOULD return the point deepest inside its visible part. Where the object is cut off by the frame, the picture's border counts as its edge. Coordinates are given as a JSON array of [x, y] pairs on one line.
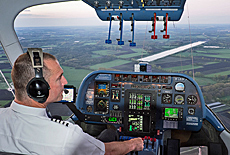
[[81, 49], [156, 80], [6, 95]]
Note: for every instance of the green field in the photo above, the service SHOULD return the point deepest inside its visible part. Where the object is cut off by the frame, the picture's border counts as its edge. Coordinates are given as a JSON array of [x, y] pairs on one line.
[[210, 63], [219, 51], [3, 61], [90, 44], [48, 46], [201, 51], [169, 59], [139, 50], [109, 64], [74, 76], [108, 52], [4, 102], [95, 56], [219, 55], [182, 68], [3, 84], [215, 53], [112, 46], [131, 55], [225, 98], [188, 54], [219, 73], [169, 47], [204, 81]]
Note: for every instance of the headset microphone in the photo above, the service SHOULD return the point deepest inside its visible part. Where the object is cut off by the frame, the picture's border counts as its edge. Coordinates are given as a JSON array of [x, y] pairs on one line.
[[37, 88]]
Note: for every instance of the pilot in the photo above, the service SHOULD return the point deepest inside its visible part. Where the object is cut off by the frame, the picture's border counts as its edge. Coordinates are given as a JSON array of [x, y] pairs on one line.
[[26, 129]]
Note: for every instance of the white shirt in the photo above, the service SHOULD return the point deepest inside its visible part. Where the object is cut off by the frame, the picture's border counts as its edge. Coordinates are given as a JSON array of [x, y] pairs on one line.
[[28, 130]]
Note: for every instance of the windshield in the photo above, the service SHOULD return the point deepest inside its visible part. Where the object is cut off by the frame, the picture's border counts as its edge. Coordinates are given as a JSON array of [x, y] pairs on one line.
[[80, 48]]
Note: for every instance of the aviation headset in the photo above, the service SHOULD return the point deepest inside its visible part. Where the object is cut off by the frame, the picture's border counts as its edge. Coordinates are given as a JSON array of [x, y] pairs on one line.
[[37, 88]]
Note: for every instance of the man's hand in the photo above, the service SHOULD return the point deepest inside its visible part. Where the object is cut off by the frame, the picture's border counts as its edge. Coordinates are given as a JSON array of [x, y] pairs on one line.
[[122, 148], [137, 143]]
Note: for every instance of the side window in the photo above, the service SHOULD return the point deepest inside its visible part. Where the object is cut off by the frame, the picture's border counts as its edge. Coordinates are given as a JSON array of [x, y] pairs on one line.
[[6, 94]]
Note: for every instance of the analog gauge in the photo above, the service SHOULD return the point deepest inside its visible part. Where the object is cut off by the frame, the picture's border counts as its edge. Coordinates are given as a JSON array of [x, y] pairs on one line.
[[191, 111], [101, 106], [164, 79], [126, 77], [89, 108], [134, 78], [155, 79], [179, 87], [115, 107], [192, 100], [179, 99], [117, 77], [166, 98], [147, 78]]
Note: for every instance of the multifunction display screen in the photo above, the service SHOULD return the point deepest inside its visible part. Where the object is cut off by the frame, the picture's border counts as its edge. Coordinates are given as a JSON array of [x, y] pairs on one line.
[[139, 101], [102, 89], [138, 123], [171, 113]]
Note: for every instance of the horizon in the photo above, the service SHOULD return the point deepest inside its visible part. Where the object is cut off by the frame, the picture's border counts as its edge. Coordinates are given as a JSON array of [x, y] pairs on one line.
[[78, 13], [170, 25]]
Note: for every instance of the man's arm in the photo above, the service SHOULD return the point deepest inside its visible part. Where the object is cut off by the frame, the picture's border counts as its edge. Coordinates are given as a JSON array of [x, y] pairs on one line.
[[121, 148]]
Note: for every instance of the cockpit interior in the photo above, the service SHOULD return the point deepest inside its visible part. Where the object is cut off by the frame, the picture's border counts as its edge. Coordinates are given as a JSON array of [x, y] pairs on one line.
[[167, 110]]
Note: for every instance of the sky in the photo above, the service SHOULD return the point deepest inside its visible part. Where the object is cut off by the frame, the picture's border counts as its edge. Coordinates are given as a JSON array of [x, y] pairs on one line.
[[78, 13]]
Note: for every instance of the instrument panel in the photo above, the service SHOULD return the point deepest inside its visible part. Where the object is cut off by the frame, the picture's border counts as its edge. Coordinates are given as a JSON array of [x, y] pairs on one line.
[[142, 10], [141, 104]]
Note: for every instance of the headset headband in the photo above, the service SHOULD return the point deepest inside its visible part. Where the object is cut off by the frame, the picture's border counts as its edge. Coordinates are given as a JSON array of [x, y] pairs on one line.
[[36, 56]]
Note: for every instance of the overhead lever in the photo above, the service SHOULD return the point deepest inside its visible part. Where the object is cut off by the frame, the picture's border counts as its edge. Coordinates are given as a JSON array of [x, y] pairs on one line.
[[132, 43], [108, 41]]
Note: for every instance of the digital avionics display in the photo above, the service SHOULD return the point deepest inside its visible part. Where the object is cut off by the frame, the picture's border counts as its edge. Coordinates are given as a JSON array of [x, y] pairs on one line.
[[139, 101], [171, 113], [102, 86], [138, 123], [69, 94], [102, 89], [112, 119]]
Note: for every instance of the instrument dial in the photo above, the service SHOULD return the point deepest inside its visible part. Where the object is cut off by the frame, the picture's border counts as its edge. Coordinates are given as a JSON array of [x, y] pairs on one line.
[[191, 111], [179, 87], [155, 79], [89, 108], [101, 106], [192, 100], [167, 98], [179, 99]]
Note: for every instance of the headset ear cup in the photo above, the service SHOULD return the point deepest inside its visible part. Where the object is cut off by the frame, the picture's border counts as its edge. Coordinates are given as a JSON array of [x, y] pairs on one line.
[[38, 89]]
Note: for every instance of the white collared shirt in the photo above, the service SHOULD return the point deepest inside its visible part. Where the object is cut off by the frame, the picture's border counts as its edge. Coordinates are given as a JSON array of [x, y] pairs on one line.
[[28, 130]]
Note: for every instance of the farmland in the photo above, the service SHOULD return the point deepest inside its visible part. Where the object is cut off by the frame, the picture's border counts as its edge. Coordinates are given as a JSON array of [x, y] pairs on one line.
[[81, 50]]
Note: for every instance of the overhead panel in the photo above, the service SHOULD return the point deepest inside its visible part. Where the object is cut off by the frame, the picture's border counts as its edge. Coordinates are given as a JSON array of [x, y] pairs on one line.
[[143, 10]]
